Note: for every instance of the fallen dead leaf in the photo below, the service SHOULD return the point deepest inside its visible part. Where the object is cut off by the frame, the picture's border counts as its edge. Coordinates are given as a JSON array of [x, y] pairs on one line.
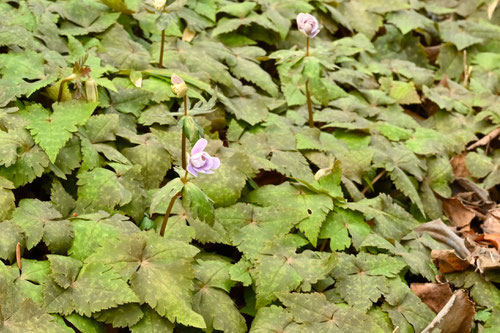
[[458, 164], [434, 295], [447, 261], [493, 239], [188, 35], [491, 224], [459, 215], [444, 234], [486, 139], [455, 317]]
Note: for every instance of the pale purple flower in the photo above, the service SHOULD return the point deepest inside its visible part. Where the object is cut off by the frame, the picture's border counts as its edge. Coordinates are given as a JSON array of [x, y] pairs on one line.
[[308, 25], [200, 161]]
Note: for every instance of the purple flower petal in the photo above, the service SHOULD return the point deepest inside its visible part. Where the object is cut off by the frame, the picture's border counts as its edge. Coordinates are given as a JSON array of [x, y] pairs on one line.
[[216, 162], [191, 170], [200, 145], [176, 79]]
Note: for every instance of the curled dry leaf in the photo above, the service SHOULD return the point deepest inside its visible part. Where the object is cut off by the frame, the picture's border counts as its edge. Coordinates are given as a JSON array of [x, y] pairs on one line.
[[455, 317], [493, 239], [487, 138], [459, 215], [444, 234], [434, 295], [458, 164], [447, 261]]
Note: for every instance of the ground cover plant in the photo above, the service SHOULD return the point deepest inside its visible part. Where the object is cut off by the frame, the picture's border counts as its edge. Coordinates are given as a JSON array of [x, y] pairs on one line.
[[262, 166]]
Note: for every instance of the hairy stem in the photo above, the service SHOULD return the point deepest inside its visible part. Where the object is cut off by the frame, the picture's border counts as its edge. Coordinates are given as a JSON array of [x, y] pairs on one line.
[[184, 157], [161, 47], [307, 47], [309, 104]]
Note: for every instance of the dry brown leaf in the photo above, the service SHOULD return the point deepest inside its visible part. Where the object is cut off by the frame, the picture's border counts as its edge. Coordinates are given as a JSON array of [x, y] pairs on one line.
[[486, 139], [434, 295], [444, 234], [493, 239], [456, 316], [491, 224], [491, 8], [485, 258], [447, 261], [459, 215], [458, 164], [188, 35]]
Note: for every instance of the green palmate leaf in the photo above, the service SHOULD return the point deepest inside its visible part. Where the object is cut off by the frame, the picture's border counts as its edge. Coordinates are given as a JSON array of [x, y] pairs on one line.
[[39, 219], [211, 299], [405, 185], [96, 288], [85, 324], [247, 68], [152, 322], [251, 227], [120, 51], [483, 166], [7, 203], [453, 32], [250, 106], [64, 270], [407, 21], [30, 318], [52, 131], [126, 315], [159, 272], [283, 270], [493, 323], [483, 293], [439, 175], [101, 128], [24, 160], [152, 157], [339, 224], [405, 309], [162, 197], [315, 314], [288, 196], [224, 187], [362, 280], [128, 98], [272, 319], [197, 203], [10, 235], [101, 188], [61, 200], [391, 220], [94, 230]]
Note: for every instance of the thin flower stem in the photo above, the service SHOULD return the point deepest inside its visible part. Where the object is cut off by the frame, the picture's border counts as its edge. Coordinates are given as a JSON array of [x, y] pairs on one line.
[[161, 47], [376, 179], [167, 213], [184, 157], [309, 104], [308, 94]]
